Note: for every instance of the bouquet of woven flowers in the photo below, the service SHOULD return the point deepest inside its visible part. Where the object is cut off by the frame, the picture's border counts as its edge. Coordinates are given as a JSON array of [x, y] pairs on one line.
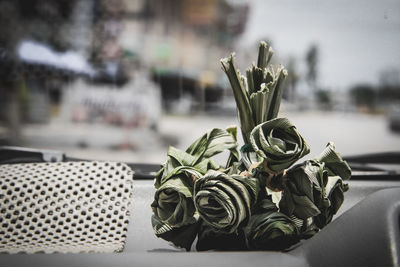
[[259, 200]]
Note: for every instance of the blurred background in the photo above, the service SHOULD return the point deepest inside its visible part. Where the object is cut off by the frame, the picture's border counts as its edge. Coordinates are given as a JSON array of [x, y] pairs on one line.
[[124, 79]]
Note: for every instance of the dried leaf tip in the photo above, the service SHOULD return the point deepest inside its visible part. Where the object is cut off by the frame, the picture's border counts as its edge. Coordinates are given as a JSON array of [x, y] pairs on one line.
[[225, 61]]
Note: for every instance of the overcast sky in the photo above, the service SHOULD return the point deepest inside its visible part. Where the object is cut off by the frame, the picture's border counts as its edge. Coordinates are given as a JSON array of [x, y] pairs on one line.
[[356, 39]]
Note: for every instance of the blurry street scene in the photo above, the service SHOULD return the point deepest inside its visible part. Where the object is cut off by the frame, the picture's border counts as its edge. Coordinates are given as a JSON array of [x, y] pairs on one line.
[[122, 80]]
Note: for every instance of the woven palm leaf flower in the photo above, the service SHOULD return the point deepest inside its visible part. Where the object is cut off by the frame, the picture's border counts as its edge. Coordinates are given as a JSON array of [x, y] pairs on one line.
[[173, 203], [334, 163], [173, 206], [225, 201], [315, 189], [338, 172], [230, 207], [258, 94], [278, 143], [334, 190], [258, 97], [303, 192], [270, 229], [199, 154]]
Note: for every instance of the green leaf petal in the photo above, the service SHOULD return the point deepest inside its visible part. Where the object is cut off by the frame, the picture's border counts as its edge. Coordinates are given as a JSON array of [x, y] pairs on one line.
[[173, 203], [270, 229], [224, 201], [271, 139], [182, 237], [334, 162], [212, 143], [241, 96]]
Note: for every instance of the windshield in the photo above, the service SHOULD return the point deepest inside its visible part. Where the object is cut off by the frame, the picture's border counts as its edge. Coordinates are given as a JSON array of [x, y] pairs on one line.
[[124, 80]]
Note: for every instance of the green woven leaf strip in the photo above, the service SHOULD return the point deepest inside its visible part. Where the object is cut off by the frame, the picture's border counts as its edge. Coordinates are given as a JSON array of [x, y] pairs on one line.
[[224, 201], [278, 143]]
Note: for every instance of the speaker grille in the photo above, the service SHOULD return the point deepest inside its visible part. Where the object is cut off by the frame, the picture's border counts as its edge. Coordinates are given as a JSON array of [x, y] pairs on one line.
[[68, 207]]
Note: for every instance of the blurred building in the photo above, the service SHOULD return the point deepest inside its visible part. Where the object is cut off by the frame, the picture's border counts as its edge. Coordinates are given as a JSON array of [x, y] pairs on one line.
[[109, 42], [182, 42], [183, 34]]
